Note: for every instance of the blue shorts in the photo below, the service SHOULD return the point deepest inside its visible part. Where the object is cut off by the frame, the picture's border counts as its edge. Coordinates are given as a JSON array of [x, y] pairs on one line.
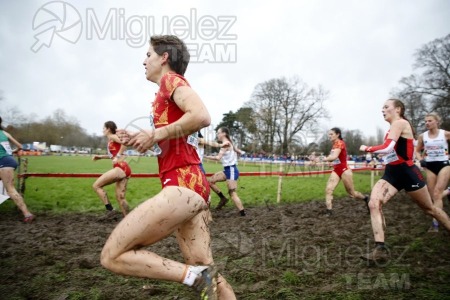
[[231, 172], [201, 168], [8, 162]]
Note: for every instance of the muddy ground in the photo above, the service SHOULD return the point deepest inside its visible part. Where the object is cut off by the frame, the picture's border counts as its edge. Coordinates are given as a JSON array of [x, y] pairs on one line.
[[277, 252]]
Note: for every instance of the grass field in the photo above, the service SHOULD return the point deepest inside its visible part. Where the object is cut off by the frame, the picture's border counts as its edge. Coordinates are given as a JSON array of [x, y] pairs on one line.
[[286, 251], [76, 194]]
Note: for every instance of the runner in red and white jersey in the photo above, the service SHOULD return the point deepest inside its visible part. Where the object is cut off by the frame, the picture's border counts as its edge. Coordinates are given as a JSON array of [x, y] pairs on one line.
[[400, 173]]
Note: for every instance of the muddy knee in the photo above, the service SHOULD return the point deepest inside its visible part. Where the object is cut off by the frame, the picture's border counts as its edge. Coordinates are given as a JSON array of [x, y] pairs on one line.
[[374, 204], [13, 193], [432, 211], [120, 197], [231, 191], [106, 260], [95, 187]]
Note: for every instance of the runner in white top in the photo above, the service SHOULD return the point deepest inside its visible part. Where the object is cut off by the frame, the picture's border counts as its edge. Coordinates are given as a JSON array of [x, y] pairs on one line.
[[227, 155], [201, 149], [432, 151]]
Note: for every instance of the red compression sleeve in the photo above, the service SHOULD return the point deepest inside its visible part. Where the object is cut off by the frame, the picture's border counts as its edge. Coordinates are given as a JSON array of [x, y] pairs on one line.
[[384, 148]]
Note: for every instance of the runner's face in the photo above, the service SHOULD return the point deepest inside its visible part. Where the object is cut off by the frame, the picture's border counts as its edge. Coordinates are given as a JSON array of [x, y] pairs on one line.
[[431, 123], [332, 136], [389, 111], [153, 65], [220, 135]]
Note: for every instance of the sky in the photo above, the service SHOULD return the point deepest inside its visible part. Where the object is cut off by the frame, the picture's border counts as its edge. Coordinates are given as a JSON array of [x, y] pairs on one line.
[[85, 57]]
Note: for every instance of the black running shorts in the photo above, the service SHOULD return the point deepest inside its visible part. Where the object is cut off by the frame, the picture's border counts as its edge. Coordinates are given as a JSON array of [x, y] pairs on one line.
[[404, 177]]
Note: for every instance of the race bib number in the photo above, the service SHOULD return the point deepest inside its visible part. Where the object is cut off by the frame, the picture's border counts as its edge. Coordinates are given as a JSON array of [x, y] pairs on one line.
[[156, 149], [436, 153], [152, 123], [193, 140], [7, 147], [391, 157], [337, 161]]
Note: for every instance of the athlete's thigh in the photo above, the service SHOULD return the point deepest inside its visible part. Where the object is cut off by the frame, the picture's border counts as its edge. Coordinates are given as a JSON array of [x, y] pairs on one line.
[[232, 184], [194, 239], [443, 179], [347, 180], [431, 180], [422, 198], [155, 219], [110, 176], [382, 191], [7, 176], [218, 177], [333, 181], [121, 186]]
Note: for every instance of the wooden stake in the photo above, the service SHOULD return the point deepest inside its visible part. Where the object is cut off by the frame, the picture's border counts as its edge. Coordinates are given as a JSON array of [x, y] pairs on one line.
[[280, 183]]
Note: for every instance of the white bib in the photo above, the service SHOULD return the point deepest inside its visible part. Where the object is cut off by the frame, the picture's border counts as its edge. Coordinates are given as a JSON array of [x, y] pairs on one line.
[[391, 157], [193, 140], [7, 147], [436, 149]]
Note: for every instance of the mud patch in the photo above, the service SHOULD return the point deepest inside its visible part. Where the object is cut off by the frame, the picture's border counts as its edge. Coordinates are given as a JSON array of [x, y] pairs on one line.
[[276, 252]]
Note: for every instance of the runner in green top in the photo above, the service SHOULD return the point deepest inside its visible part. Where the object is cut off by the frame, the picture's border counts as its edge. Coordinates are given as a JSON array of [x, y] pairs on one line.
[[7, 166]]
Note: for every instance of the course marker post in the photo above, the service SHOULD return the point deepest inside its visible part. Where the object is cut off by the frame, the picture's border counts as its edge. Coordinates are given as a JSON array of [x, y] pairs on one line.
[[280, 183], [372, 178]]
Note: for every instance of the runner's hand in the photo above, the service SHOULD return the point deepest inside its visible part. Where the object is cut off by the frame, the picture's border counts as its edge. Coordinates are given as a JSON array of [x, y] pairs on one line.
[[423, 163], [125, 136], [142, 140]]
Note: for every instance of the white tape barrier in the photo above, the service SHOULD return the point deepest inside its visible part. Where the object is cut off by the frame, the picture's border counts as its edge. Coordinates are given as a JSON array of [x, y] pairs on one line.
[[3, 194]]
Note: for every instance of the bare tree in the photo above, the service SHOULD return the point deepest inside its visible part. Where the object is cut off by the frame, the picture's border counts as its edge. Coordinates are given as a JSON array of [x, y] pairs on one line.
[[264, 101], [380, 136], [353, 140], [429, 90], [282, 109]]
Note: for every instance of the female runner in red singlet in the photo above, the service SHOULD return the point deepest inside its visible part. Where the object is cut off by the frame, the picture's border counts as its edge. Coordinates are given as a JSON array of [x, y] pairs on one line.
[[181, 208], [119, 174], [400, 173], [338, 156]]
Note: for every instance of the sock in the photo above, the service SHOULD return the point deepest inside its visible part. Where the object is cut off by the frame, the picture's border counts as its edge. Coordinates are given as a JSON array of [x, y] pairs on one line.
[[109, 207], [191, 272], [366, 198], [435, 223], [379, 244], [221, 195], [242, 212]]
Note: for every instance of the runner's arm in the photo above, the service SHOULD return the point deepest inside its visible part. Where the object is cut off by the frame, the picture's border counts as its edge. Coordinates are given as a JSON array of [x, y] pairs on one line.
[[418, 149], [218, 156], [334, 154], [13, 140], [395, 132], [195, 116]]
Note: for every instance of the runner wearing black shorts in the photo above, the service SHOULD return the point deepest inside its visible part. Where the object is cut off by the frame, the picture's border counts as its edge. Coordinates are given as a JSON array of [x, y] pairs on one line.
[[401, 173]]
